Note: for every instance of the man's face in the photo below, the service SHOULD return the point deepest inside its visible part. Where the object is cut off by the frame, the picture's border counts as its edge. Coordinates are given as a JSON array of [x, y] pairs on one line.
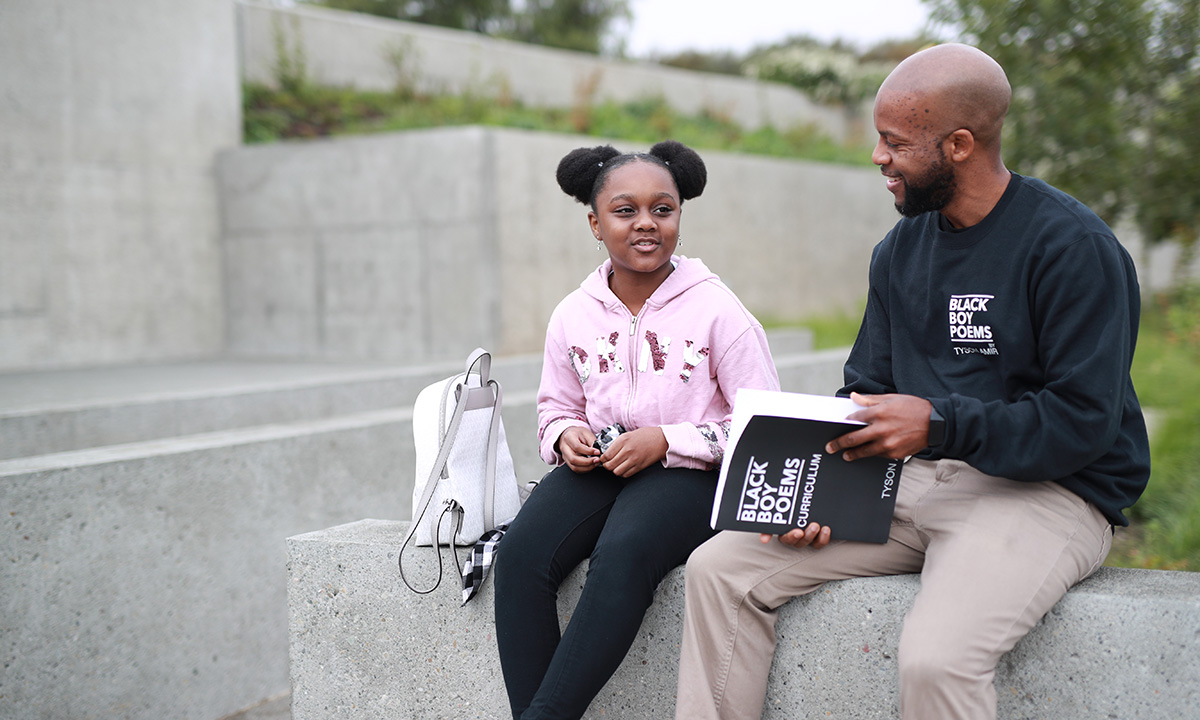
[[919, 175], [929, 192]]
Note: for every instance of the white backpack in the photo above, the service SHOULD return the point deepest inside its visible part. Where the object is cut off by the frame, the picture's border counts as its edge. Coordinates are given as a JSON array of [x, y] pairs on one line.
[[464, 468]]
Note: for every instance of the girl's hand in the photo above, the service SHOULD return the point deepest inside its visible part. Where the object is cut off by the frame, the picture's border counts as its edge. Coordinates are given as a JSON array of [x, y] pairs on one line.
[[635, 451], [575, 445]]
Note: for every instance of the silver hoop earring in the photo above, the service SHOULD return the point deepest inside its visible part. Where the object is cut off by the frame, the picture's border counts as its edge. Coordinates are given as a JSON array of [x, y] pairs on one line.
[[678, 241], [599, 245]]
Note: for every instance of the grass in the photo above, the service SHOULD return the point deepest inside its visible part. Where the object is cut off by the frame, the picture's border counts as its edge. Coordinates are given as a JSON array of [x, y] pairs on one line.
[[306, 110], [1165, 522], [831, 330]]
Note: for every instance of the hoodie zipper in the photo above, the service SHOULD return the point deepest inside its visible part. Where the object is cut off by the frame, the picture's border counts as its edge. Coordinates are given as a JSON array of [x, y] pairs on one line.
[[633, 368]]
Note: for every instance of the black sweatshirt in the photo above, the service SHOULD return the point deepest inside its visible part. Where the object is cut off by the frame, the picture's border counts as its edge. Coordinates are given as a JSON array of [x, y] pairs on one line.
[[1020, 330]]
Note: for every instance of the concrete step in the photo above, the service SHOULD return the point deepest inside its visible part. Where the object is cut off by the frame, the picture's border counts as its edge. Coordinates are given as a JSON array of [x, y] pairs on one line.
[[48, 412], [160, 563], [65, 410], [1121, 644], [790, 341], [817, 372]]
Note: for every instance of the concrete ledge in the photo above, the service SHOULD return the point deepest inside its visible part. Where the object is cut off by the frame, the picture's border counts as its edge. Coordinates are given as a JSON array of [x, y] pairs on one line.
[[1123, 644], [160, 565], [64, 410]]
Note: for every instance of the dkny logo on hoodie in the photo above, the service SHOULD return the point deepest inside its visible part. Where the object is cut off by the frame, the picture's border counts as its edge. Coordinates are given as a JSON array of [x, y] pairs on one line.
[[653, 356]]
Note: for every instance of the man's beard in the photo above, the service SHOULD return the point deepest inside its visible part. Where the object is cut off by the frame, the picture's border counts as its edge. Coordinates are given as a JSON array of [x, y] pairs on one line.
[[933, 194]]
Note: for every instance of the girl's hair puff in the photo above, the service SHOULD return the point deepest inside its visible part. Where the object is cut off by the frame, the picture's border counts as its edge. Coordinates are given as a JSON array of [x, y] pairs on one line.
[[583, 171]]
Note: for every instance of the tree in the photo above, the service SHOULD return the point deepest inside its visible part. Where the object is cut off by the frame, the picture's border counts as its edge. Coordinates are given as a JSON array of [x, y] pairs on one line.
[[569, 24], [1168, 204], [829, 73], [482, 16], [1104, 100]]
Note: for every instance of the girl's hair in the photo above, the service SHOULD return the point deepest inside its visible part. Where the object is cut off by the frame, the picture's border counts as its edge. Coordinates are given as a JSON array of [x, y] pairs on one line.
[[583, 172]]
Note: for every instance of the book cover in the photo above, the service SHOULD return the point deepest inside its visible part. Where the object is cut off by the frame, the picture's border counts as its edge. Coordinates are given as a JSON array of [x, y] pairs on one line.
[[776, 475]]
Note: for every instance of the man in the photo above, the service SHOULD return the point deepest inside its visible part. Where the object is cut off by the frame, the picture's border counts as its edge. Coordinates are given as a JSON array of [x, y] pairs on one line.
[[995, 349]]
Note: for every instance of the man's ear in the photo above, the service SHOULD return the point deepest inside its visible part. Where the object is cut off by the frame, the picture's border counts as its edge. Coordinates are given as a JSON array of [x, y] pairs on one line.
[[960, 145]]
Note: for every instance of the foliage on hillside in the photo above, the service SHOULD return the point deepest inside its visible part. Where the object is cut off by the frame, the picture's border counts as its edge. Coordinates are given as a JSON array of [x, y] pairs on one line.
[[306, 110], [1165, 531]]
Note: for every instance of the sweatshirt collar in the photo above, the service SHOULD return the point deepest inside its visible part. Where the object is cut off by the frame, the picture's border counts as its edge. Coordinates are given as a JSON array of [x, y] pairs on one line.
[[688, 273]]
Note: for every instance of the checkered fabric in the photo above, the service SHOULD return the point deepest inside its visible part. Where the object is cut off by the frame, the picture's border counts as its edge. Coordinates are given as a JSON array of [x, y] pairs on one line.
[[479, 562]]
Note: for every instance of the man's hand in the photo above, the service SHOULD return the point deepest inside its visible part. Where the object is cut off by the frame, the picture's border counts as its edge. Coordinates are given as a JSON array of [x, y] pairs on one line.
[[634, 451], [812, 534], [897, 426], [575, 445]]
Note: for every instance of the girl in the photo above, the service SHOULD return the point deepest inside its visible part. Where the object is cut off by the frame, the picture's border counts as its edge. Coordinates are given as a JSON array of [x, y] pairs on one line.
[[653, 343]]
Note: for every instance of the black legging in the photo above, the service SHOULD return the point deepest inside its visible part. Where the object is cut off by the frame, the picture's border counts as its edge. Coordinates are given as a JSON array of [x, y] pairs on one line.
[[633, 532]]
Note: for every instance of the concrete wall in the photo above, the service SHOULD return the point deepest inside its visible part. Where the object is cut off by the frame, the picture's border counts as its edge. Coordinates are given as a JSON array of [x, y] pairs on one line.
[[414, 246], [147, 580], [367, 247], [110, 116], [352, 49]]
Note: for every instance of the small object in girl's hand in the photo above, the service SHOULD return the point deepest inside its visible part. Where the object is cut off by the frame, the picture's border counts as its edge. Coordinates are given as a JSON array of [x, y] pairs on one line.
[[606, 436]]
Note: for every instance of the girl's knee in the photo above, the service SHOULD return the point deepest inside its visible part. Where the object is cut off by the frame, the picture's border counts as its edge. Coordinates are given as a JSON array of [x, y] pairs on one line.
[[521, 558]]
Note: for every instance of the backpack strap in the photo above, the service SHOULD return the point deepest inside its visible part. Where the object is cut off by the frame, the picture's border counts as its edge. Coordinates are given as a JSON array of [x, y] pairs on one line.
[[488, 394], [450, 506], [439, 466], [489, 482]]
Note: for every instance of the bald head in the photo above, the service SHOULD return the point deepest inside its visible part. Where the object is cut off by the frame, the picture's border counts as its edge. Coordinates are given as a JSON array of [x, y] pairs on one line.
[[947, 87]]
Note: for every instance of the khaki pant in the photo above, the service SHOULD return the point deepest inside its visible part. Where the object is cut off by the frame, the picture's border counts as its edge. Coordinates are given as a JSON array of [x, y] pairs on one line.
[[994, 556]]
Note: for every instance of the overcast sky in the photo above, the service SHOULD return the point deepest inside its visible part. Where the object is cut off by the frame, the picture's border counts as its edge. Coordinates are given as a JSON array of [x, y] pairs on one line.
[[663, 27]]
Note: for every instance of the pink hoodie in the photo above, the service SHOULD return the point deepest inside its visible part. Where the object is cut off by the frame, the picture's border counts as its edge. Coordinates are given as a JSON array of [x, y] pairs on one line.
[[676, 365]]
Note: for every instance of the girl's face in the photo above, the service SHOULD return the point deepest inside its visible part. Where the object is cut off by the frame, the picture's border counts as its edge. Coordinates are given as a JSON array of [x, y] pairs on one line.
[[637, 218]]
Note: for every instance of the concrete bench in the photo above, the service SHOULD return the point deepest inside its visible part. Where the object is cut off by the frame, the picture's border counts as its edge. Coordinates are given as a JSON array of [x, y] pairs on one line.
[[1122, 644]]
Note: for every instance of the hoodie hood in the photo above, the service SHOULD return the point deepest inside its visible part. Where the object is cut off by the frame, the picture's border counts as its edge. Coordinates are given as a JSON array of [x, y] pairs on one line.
[[688, 273]]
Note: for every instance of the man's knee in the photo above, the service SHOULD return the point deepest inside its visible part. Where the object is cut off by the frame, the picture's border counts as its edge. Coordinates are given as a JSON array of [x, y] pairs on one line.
[[706, 562], [714, 571], [929, 665]]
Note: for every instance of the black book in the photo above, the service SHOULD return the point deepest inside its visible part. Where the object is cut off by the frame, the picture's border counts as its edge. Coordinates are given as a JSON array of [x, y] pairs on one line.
[[776, 475]]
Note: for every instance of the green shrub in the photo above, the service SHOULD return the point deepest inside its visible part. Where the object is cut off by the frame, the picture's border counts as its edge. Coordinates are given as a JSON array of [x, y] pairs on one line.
[[303, 109], [1165, 522]]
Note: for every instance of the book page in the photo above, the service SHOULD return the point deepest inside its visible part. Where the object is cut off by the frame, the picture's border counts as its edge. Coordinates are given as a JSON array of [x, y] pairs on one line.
[[749, 403]]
